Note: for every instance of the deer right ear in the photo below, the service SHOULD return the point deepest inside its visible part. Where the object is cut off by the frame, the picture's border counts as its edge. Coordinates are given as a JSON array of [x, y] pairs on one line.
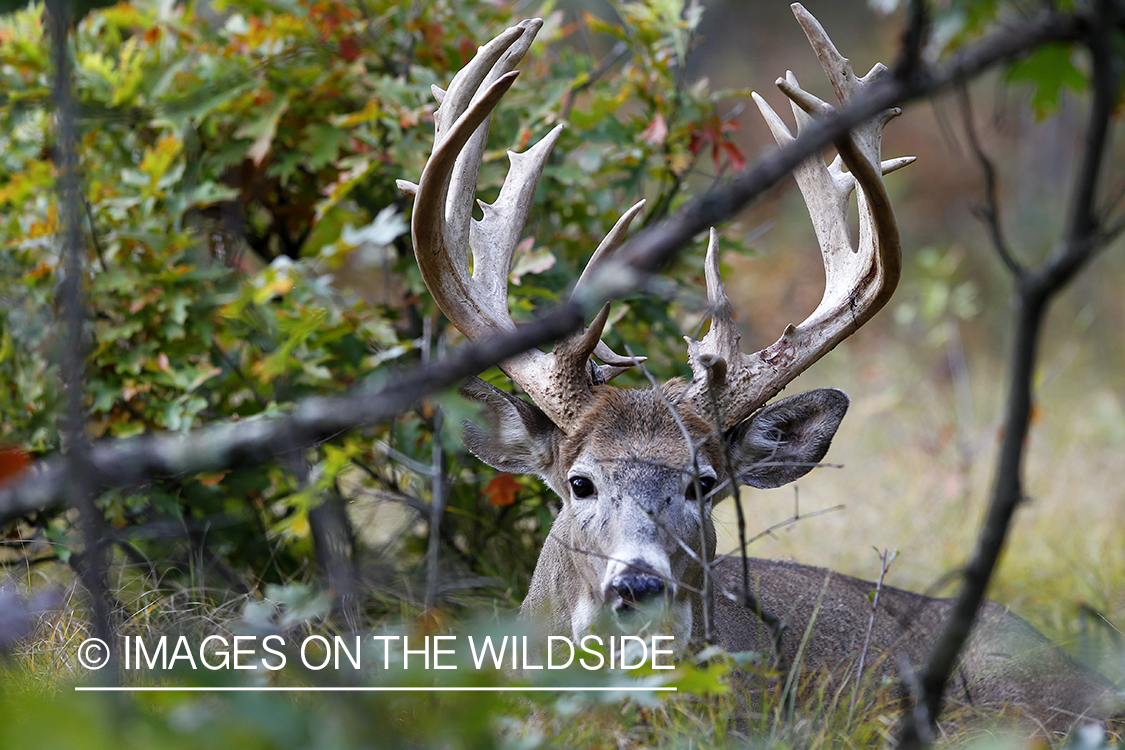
[[516, 436], [787, 439]]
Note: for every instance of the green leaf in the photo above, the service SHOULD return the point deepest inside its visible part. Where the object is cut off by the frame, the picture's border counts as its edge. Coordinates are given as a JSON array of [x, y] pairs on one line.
[[262, 130], [1049, 70], [322, 143]]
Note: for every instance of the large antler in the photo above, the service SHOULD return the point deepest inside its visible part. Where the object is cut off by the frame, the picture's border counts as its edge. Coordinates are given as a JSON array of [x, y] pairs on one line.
[[859, 280], [442, 227]]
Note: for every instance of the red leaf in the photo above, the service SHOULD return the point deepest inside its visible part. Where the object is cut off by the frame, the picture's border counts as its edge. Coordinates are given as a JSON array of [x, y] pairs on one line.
[[467, 48], [502, 490], [656, 131], [349, 48], [734, 156]]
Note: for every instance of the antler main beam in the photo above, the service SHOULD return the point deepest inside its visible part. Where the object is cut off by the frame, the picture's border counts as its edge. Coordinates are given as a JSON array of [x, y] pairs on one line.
[[442, 227], [859, 280]]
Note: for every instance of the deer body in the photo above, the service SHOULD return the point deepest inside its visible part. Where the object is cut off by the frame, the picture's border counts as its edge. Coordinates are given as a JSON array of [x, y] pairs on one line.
[[1008, 666], [638, 471], [638, 536]]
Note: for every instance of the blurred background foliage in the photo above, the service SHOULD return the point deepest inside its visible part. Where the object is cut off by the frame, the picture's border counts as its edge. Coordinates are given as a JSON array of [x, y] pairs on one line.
[[247, 247]]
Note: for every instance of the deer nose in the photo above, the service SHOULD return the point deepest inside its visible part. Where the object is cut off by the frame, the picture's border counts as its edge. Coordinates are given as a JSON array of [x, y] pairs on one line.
[[635, 587]]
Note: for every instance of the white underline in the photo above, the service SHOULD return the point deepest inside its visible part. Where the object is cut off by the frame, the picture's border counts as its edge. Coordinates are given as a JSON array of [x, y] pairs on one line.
[[417, 689]]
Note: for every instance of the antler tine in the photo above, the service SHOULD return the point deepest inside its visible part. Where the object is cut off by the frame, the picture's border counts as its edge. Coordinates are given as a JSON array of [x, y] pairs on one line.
[[494, 238], [721, 342], [492, 62], [442, 227], [441, 258], [615, 363], [858, 282]]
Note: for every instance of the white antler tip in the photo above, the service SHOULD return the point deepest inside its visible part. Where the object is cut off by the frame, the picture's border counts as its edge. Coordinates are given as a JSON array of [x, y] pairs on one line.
[[892, 165], [407, 188], [877, 70]]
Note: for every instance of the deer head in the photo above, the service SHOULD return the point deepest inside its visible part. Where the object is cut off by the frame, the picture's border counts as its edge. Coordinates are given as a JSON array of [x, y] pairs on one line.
[[638, 471]]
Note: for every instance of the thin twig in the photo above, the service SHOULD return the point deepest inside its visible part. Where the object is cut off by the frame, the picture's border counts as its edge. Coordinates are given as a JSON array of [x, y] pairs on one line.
[[438, 484], [886, 557], [705, 544], [619, 51], [609, 558], [94, 232], [989, 212], [789, 522]]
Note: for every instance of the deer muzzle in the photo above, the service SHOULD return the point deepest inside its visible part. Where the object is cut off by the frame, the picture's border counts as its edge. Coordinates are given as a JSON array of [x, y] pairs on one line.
[[635, 587]]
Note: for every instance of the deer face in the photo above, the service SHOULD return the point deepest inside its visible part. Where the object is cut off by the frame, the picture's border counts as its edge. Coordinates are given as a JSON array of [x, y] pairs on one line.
[[638, 478], [631, 482]]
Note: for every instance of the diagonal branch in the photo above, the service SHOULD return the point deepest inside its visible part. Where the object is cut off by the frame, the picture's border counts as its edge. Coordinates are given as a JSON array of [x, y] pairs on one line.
[[237, 444]]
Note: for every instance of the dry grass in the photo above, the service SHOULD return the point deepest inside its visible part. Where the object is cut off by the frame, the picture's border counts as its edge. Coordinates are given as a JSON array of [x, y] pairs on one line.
[[916, 476]]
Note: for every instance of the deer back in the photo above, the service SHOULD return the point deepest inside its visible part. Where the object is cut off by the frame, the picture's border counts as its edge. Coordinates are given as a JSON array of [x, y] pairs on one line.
[[1008, 667]]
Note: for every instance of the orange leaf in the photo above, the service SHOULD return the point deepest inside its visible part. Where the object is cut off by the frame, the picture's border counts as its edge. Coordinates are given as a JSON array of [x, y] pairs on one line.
[[210, 480], [502, 490], [13, 460]]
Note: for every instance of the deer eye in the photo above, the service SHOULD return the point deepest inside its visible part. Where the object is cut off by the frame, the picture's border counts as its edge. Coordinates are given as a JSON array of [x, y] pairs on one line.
[[705, 485], [581, 486]]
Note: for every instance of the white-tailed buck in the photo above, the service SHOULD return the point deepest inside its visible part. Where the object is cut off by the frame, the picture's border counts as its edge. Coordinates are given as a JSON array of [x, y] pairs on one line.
[[638, 471]]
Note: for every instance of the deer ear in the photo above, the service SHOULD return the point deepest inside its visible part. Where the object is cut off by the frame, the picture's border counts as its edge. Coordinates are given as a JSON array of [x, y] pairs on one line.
[[784, 441], [515, 435]]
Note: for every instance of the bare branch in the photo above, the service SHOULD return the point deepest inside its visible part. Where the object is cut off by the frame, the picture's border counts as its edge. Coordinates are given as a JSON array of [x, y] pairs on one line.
[[913, 39], [79, 489], [989, 212], [439, 488], [1034, 291], [656, 244], [788, 522], [886, 557]]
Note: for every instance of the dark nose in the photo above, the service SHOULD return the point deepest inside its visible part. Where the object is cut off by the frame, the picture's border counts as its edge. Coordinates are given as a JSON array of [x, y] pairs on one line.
[[636, 587]]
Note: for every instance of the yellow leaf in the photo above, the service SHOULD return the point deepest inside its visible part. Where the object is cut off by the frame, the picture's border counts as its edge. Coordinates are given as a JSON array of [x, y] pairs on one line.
[[157, 160]]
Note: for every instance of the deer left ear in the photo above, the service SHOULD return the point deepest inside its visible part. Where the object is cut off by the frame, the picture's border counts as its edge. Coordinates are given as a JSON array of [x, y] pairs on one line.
[[787, 439], [514, 436]]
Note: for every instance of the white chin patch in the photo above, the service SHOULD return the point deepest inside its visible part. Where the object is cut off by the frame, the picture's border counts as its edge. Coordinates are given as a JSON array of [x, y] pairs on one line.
[[623, 618], [582, 617]]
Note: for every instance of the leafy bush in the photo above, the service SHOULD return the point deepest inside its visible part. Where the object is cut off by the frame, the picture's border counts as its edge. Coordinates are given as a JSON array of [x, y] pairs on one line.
[[238, 166]]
